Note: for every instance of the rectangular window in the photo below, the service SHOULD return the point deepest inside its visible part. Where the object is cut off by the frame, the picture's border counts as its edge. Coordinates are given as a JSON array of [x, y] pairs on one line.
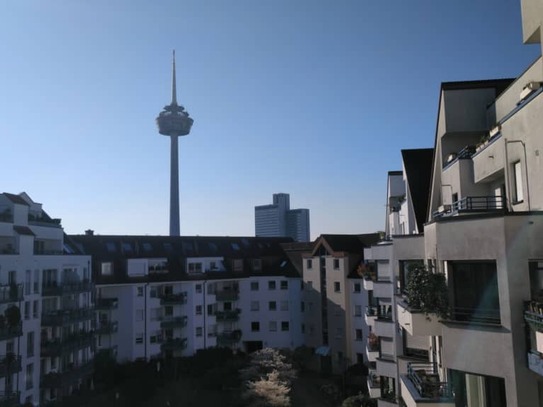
[[28, 282], [139, 315], [358, 310], [107, 268], [254, 285], [273, 326], [302, 306], [284, 285], [284, 326], [27, 309], [336, 264], [272, 306], [210, 309], [198, 310], [337, 286], [255, 306], [284, 305], [238, 265], [29, 376], [30, 344], [36, 281], [309, 264], [198, 288], [168, 311], [257, 264], [358, 334], [140, 291], [356, 287], [255, 326], [199, 331], [519, 191], [271, 285], [195, 268], [35, 309], [139, 338]]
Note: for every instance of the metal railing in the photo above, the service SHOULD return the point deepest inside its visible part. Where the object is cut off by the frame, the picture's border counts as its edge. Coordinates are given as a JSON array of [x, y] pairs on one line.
[[55, 347], [70, 374], [228, 315], [173, 322], [479, 204], [426, 380], [11, 293], [174, 344], [64, 317], [476, 315], [106, 303], [56, 288], [107, 327], [228, 338], [227, 295]]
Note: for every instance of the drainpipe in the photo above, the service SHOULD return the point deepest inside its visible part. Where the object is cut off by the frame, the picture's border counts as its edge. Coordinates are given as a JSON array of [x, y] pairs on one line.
[[204, 312]]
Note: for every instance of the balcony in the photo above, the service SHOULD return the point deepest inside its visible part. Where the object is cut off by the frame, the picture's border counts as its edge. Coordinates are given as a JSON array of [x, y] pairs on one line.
[[228, 315], [474, 204], [105, 304], [43, 221], [173, 322], [11, 293], [422, 386], [417, 323], [374, 385], [54, 289], [66, 317], [172, 344], [10, 332], [535, 362], [172, 299], [9, 399], [372, 347], [227, 295], [484, 316], [371, 315], [58, 347], [489, 159], [71, 374], [228, 338], [9, 364], [107, 327]]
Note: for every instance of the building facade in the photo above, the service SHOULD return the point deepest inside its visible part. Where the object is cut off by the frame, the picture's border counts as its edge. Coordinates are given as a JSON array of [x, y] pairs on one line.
[[277, 219]]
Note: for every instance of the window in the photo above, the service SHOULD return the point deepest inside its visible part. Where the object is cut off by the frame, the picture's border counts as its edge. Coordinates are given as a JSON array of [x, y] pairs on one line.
[[155, 337], [254, 285], [198, 288], [284, 285], [107, 268], [255, 306], [339, 332], [168, 311], [210, 309], [273, 326], [303, 328], [309, 285], [358, 310], [198, 310], [272, 306], [30, 344], [337, 286], [139, 315], [284, 326], [356, 287], [336, 264], [195, 268], [139, 338], [35, 309], [358, 334], [271, 285], [517, 173], [284, 305], [28, 282], [199, 331], [302, 306], [27, 309], [227, 306], [309, 264], [36, 281], [140, 291], [238, 265], [257, 264], [29, 377], [255, 326]]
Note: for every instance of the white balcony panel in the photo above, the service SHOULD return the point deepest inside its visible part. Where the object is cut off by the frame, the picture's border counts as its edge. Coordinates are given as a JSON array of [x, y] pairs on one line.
[[489, 160], [368, 284], [535, 363], [372, 355], [383, 289], [539, 341], [384, 328], [370, 320], [418, 323], [386, 368]]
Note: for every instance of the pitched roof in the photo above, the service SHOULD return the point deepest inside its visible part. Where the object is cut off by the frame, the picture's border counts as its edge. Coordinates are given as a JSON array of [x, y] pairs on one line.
[[418, 172], [346, 243], [16, 199]]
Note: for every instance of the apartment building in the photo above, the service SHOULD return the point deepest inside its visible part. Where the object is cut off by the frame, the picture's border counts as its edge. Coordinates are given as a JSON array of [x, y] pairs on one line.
[[388, 349], [46, 329], [332, 305], [170, 296]]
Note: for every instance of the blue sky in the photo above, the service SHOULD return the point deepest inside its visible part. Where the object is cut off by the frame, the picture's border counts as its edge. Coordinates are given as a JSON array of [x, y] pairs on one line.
[[311, 97]]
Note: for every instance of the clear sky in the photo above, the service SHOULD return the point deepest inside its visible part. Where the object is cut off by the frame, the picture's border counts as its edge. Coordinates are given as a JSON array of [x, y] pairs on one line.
[[315, 98]]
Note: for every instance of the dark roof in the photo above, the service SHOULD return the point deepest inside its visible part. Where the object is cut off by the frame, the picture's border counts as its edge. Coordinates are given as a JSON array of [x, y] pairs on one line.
[[347, 243], [499, 84], [295, 252], [16, 199], [418, 172], [23, 230], [395, 173], [117, 249]]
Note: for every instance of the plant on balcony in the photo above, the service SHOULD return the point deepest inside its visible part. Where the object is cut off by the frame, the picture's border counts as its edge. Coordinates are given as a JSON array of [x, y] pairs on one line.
[[373, 341], [427, 292], [13, 316], [360, 400], [367, 270]]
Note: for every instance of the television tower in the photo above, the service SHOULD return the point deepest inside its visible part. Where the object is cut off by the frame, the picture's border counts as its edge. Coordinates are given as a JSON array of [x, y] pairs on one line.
[[173, 122]]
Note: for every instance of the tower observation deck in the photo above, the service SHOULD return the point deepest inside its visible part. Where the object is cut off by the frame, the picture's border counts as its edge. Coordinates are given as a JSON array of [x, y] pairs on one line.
[[174, 121]]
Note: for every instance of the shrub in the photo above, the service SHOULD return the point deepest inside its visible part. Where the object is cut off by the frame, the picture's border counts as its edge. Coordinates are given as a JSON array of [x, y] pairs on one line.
[[427, 291]]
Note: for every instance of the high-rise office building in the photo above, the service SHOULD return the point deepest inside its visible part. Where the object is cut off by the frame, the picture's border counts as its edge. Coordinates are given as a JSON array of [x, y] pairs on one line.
[[278, 219]]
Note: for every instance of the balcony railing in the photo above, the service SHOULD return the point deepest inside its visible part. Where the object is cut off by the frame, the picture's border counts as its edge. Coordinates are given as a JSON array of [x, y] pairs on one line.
[[70, 374], [107, 327], [6, 216], [533, 314], [172, 299], [228, 338], [11, 293], [65, 317], [173, 322], [384, 312], [9, 364], [43, 221], [53, 289], [57, 347], [105, 304], [10, 332], [228, 315], [426, 380], [372, 311], [174, 344], [476, 315], [468, 204], [9, 399], [227, 295]]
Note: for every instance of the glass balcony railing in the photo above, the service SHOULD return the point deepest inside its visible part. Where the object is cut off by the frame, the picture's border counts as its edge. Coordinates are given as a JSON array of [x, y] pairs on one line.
[[105, 304], [227, 295], [70, 374], [9, 364], [232, 315], [173, 322], [65, 317], [10, 332], [107, 327], [228, 338], [53, 289], [11, 293], [58, 347], [172, 299]]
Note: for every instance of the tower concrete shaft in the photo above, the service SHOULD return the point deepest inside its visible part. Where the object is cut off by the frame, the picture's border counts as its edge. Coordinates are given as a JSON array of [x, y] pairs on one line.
[[173, 122]]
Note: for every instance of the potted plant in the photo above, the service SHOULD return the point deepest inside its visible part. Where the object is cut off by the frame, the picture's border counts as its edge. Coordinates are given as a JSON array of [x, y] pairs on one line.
[[427, 292]]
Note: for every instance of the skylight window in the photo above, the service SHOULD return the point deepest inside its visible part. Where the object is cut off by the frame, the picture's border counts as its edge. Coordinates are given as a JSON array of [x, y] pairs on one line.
[[234, 246], [110, 246]]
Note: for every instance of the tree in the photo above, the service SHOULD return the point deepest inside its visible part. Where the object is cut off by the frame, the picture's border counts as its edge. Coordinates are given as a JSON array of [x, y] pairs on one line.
[[266, 361], [267, 391], [360, 400], [427, 291]]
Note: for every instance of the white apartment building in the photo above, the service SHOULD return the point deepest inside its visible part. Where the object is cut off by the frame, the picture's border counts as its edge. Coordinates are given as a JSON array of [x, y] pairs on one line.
[[170, 296], [48, 354]]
